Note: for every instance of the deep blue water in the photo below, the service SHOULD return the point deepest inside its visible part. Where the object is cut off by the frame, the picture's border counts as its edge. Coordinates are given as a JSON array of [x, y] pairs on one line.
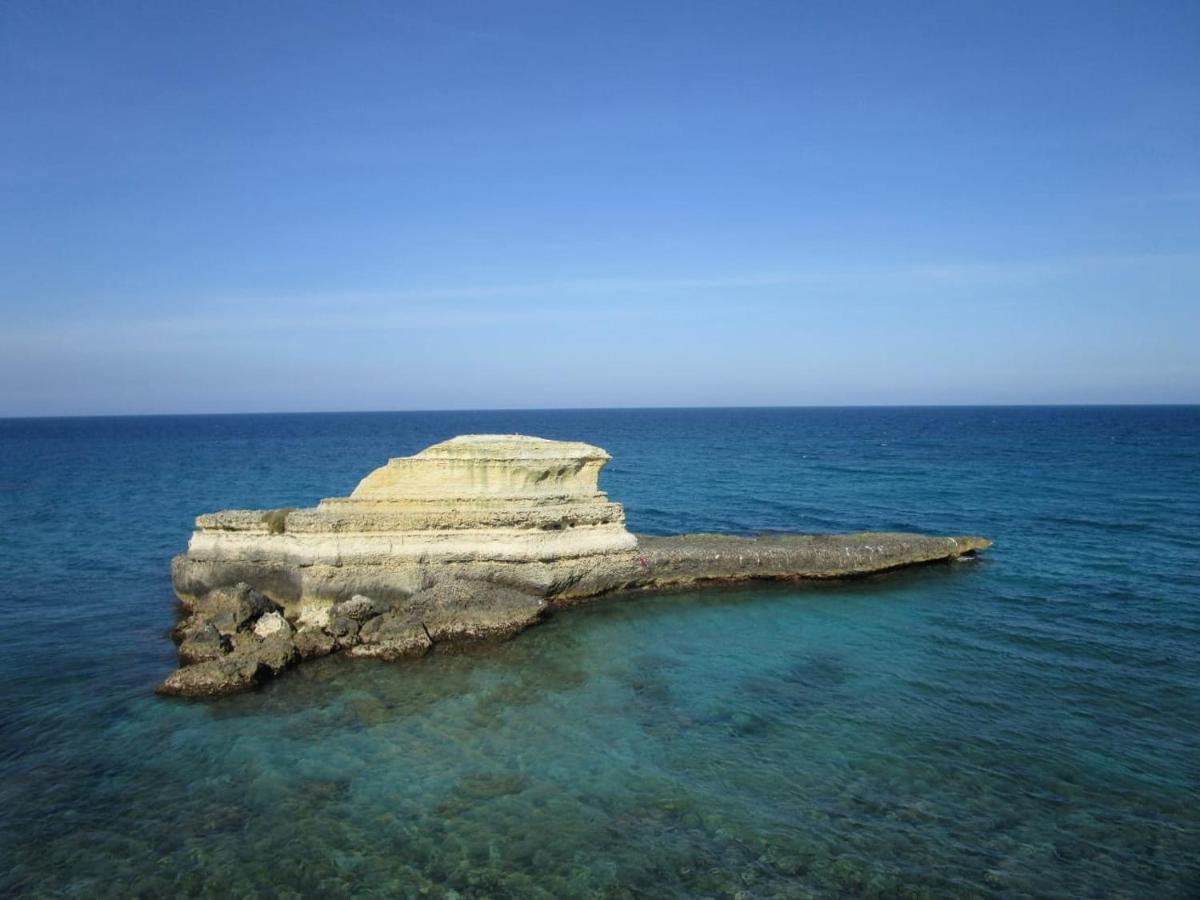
[[1023, 725]]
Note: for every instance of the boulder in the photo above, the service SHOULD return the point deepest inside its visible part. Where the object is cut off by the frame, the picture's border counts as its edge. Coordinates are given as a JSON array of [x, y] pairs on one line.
[[230, 609], [275, 652]]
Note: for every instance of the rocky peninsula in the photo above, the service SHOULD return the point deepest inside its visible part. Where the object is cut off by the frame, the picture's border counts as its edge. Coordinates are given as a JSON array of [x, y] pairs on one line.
[[474, 538]]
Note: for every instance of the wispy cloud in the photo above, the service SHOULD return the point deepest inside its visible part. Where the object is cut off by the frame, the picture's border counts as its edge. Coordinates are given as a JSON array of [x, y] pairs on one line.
[[581, 300]]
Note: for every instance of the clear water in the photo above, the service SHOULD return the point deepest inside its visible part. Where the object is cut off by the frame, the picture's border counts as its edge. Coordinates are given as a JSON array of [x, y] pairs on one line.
[[1024, 725]]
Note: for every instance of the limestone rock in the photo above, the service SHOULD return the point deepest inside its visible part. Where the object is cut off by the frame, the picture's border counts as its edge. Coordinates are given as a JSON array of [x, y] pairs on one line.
[[315, 612], [272, 624], [474, 538]]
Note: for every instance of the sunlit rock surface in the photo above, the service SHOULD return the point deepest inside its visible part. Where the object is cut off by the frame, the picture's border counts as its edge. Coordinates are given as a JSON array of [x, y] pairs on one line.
[[473, 538]]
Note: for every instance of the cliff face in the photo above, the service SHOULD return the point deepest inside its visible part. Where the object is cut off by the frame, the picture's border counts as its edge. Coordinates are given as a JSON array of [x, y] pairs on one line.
[[472, 538]]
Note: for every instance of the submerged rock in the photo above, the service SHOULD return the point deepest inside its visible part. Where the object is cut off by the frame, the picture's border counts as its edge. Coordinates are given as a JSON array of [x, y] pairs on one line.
[[476, 538]]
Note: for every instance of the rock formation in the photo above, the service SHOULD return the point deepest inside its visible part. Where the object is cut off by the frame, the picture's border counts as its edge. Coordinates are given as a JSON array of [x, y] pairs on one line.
[[474, 538]]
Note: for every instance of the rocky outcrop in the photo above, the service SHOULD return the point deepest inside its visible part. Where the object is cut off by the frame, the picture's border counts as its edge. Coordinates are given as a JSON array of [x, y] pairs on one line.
[[472, 539]]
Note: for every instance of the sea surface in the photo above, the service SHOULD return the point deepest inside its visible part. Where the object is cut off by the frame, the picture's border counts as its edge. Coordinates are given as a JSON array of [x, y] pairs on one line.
[[1027, 724]]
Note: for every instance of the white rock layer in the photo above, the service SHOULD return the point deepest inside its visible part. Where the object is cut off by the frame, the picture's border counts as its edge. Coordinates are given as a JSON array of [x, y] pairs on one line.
[[497, 498]]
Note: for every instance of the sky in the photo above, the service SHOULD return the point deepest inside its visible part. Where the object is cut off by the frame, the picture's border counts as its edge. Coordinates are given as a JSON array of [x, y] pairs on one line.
[[257, 206]]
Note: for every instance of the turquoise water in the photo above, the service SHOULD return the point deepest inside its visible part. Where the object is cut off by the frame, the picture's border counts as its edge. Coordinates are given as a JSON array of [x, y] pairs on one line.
[[1023, 725]]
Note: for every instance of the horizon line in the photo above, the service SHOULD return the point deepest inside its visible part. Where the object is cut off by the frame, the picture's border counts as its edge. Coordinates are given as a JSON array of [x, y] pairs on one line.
[[528, 409]]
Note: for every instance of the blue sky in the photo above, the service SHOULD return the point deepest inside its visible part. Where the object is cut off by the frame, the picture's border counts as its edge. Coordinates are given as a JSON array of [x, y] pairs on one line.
[[256, 206]]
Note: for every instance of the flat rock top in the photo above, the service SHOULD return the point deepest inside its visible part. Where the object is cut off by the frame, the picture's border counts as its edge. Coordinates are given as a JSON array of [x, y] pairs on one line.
[[488, 465], [510, 447]]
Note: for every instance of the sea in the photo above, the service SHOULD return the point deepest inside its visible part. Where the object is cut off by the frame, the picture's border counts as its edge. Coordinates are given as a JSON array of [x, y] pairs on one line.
[[1025, 724]]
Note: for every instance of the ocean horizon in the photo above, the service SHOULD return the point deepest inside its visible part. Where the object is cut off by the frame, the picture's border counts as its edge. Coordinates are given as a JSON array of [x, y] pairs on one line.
[[1021, 724], [554, 409]]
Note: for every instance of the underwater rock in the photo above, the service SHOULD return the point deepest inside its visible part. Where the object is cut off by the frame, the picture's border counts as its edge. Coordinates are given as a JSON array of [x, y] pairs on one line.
[[472, 539]]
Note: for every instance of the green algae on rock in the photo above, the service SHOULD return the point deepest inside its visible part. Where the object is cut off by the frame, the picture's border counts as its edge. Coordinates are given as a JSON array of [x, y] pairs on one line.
[[475, 538]]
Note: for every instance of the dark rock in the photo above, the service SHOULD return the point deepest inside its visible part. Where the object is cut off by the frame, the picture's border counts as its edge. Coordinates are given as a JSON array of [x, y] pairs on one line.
[[202, 644], [277, 653], [344, 629], [311, 641], [230, 609]]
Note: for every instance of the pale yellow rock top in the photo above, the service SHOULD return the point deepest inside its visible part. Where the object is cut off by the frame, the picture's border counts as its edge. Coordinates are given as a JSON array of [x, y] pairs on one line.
[[487, 466]]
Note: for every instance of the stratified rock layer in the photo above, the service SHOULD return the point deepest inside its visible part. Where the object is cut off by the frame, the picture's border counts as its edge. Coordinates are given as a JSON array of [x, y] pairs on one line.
[[474, 538]]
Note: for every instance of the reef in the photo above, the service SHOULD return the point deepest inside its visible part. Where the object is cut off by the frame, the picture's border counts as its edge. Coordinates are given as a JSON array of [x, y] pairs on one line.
[[472, 539]]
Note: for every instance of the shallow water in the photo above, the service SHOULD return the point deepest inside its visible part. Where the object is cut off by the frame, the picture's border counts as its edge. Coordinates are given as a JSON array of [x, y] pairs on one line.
[[1026, 724]]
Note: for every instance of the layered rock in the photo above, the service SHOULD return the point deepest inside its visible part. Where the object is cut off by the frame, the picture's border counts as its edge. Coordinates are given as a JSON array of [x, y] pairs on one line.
[[473, 538]]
